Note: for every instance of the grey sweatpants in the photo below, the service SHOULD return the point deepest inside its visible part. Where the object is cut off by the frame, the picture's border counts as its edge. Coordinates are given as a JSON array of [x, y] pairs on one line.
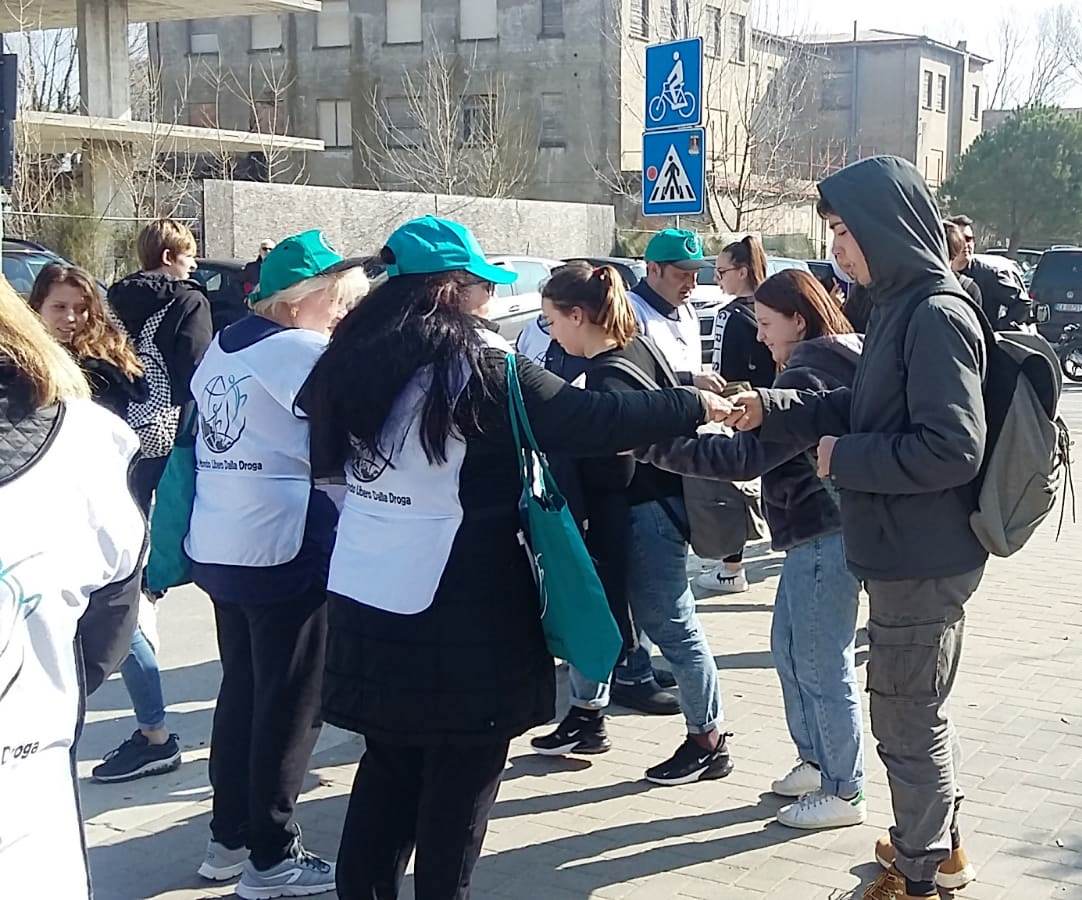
[[915, 644]]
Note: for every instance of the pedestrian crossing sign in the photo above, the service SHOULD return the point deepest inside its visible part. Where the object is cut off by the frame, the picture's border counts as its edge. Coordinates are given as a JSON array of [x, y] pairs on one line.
[[673, 172]]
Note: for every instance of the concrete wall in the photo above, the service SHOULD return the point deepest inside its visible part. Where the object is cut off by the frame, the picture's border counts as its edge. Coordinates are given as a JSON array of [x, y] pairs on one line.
[[239, 214]]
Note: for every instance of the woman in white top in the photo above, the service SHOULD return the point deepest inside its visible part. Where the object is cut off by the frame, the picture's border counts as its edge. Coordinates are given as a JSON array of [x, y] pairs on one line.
[[260, 541], [71, 539]]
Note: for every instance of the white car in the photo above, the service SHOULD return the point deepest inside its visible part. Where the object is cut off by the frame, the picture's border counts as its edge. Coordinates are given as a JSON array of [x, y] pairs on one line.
[[708, 297], [516, 305]]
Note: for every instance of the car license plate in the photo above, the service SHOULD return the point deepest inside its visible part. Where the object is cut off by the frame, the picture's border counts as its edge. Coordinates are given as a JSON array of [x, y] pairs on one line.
[[1069, 307]]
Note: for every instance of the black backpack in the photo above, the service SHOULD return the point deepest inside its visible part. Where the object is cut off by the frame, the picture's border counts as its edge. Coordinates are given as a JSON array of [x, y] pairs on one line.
[[1027, 449]]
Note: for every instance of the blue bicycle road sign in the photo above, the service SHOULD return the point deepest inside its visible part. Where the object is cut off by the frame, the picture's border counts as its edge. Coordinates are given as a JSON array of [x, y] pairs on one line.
[[673, 172], [674, 84]]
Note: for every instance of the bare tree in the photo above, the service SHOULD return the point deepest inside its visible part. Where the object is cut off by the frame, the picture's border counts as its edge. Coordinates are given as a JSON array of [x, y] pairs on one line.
[[449, 128], [1038, 64]]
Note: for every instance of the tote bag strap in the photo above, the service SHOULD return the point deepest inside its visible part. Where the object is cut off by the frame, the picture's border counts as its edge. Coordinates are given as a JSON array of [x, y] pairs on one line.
[[530, 456]]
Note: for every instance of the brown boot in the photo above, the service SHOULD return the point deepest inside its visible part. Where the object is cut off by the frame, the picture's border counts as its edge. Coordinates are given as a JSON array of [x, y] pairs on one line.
[[890, 885], [954, 873]]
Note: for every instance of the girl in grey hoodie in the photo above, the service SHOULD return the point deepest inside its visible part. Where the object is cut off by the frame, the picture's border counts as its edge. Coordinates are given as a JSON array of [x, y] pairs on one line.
[[815, 611]]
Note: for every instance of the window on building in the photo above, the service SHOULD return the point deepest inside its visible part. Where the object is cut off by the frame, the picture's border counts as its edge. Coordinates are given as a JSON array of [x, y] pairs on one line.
[[941, 93], [332, 24], [478, 120], [737, 38], [837, 91], [679, 18], [975, 112], [403, 21], [266, 32], [926, 90], [714, 38], [403, 128], [933, 167], [477, 20], [269, 117], [335, 119], [203, 115], [202, 36], [552, 18], [553, 121], [639, 25]]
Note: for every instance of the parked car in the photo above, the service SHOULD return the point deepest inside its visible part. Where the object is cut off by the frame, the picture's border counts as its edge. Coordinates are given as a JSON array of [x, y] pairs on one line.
[[708, 297], [223, 282], [1057, 286], [632, 271], [22, 260], [516, 305]]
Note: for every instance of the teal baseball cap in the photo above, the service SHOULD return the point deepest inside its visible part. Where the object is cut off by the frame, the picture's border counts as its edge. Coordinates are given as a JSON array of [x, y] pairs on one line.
[[293, 260], [429, 245], [677, 247]]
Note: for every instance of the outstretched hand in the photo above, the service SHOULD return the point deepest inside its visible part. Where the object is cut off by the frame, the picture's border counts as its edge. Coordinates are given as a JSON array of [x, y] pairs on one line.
[[747, 412], [718, 409], [709, 381]]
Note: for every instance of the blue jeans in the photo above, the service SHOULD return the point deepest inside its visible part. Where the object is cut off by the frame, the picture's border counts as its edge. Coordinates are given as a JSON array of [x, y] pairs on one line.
[[144, 683], [636, 667], [813, 643], [662, 605]]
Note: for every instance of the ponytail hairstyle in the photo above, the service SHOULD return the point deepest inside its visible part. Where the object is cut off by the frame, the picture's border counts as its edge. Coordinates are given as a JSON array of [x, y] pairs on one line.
[[43, 369], [793, 291], [99, 338], [599, 293], [748, 253]]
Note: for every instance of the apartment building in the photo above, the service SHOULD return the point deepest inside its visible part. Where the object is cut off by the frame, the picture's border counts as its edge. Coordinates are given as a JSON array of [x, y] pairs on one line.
[[570, 72], [885, 92]]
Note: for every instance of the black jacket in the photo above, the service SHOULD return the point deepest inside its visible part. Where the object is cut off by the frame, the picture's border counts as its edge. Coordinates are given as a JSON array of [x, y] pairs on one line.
[[858, 307], [741, 357], [797, 505], [474, 666], [105, 628], [112, 388], [912, 427], [185, 332], [972, 288], [1003, 296]]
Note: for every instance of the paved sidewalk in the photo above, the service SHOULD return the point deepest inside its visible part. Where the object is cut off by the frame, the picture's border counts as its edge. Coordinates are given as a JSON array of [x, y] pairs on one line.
[[580, 828]]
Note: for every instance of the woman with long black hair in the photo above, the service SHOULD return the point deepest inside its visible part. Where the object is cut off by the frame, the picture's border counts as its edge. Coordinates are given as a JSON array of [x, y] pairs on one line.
[[435, 648]]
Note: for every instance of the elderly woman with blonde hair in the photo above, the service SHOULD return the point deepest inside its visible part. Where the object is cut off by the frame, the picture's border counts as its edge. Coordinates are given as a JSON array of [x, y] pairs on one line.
[[260, 541]]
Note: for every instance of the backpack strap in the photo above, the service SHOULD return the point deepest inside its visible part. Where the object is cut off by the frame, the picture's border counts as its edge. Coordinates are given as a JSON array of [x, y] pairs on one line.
[[942, 289], [629, 368]]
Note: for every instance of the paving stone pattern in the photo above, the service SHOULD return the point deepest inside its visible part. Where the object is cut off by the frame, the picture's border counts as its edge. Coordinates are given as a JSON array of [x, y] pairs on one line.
[[592, 827]]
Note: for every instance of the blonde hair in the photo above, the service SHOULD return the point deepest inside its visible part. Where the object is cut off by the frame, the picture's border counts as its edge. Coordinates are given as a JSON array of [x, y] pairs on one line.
[[41, 363], [348, 288], [162, 235], [100, 338], [599, 293]]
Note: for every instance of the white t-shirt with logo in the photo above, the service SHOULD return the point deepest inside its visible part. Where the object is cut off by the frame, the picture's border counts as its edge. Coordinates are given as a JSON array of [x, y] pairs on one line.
[[253, 474]]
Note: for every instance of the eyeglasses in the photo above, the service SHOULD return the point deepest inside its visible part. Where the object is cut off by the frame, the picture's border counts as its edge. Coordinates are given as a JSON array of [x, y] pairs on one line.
[[720, 272], [489, 286]]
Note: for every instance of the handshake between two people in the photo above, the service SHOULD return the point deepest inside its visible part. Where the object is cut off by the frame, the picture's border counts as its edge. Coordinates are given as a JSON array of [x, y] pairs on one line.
[[739, 407]]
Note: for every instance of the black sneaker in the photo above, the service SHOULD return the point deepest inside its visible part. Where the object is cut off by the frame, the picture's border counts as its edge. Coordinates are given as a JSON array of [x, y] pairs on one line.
[[137, 758], [647, 697], [577, 733], [692, 763], [664, 678]]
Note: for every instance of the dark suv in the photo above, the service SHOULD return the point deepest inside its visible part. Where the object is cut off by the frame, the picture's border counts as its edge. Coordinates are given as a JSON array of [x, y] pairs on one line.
[[1057, 285]]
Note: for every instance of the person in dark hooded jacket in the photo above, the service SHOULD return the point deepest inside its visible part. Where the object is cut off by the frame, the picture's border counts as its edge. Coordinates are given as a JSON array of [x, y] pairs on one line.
[[815, 612], [161, 291], [903, 446]]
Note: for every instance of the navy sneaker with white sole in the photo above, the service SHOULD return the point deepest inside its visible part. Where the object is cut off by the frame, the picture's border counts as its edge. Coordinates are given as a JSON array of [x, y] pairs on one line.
[[580, 732], [138, 758], [691, 763]]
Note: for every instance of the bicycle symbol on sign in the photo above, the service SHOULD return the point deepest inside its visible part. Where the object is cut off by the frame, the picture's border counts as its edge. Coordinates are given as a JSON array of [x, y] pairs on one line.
[[673, 96]]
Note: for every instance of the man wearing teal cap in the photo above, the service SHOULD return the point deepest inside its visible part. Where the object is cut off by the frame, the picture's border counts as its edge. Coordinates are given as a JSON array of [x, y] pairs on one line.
[[673, 260]]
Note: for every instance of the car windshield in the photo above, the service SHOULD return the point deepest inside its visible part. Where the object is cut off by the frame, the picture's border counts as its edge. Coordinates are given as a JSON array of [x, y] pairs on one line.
[[1059, 270], [707, 275], [21, 268]]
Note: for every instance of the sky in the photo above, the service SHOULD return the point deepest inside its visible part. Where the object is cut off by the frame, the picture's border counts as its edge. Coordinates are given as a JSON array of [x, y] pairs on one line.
[[976, 21]]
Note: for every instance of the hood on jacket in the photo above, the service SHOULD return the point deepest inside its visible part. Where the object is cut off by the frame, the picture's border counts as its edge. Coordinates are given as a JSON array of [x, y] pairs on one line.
[[139, 296], [836, 355], [887, 206]]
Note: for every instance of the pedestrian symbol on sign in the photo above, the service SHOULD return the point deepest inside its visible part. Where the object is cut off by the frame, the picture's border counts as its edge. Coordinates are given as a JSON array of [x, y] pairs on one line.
[[673, 184]]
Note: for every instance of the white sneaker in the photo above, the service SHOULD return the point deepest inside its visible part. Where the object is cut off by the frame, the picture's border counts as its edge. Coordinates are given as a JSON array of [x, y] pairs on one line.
[[819, 810], [221, 863], [804, 779], [722, 581]]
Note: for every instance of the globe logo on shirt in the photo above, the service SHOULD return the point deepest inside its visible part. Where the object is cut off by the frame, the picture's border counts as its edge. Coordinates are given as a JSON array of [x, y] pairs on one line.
[[367, 463], [221, 407]]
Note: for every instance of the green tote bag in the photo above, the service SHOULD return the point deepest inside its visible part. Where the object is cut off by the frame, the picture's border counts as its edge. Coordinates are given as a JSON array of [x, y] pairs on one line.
[[168, 565], [575, 613]]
